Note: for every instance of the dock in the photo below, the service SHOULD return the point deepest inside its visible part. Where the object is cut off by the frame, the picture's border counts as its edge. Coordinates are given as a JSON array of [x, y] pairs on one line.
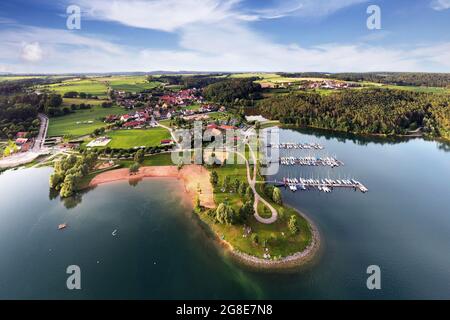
[[311, 161], [323, 185], [292, 145]]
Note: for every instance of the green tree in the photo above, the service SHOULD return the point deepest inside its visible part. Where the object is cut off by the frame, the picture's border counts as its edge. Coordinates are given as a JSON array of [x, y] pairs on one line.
[[134, 168], [225, 214], [246, 211], [293, 224], [214, 178], [249, 194], [139, 156], [276, 196], [236, 185], [226, 183], [255, 238]]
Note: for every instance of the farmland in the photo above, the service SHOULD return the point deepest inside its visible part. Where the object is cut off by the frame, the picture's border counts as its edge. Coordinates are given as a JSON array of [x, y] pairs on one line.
[[90, 86]]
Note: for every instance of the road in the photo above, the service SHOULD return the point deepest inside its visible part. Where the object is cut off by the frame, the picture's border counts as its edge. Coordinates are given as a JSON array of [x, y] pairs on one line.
[[37, 149]]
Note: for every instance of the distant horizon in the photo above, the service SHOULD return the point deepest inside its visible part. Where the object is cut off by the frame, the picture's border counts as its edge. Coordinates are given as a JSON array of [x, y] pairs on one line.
[[186, 72]]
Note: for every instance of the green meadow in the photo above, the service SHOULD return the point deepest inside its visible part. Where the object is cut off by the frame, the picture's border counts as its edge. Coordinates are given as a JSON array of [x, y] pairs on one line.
[[91, 86], [72, 124], [130, 138]]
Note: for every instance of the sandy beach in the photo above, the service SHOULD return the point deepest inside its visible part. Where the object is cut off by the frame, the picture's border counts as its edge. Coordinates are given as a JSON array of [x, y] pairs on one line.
[[195, 179]]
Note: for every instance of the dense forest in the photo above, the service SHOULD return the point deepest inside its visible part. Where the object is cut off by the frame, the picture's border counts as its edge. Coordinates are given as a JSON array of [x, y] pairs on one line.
[[369, 111], [188, 82], [394, 78], [19, 109], [233, 91]]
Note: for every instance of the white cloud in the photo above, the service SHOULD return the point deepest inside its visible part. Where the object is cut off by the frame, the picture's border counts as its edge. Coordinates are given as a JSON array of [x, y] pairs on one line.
[[440, 4], [166, 15], [217, 37], [314, 8], [31, 52]]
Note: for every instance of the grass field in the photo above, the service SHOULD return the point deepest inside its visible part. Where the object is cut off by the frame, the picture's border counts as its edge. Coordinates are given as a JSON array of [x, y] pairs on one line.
[[126, 139], [91, 86], [129, 83], [67, 125], [95, 102], [157, 159]]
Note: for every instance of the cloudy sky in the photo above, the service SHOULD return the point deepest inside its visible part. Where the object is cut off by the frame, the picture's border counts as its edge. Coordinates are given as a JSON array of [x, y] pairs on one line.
[[224, 35]]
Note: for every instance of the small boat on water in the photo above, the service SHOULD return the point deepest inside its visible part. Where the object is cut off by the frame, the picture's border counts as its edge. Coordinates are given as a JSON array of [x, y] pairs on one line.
[[62, 226], [114, 233]]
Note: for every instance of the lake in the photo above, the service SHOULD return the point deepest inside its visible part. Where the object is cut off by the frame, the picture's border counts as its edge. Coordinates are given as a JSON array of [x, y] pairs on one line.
[[159, 251]]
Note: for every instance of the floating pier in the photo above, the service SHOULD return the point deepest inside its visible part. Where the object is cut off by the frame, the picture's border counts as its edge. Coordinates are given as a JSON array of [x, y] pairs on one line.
[[324, 185], [311, 161], [292, 145]]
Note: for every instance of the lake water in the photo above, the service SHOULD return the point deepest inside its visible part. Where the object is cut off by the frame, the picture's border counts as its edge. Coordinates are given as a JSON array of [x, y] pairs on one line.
[[402, 225]]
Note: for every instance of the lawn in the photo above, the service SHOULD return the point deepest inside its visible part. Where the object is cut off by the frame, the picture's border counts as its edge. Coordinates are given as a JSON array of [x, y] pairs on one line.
[[126, 139], [157, 159], [67, 125]]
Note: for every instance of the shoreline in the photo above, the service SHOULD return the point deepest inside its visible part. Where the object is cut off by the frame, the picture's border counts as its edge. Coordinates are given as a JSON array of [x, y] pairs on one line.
[[292, 261], [190, 173], [192, 176]]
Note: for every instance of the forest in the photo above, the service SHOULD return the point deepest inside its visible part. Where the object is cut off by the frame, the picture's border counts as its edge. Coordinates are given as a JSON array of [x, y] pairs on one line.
[[19, 110], [393, 78], [234, 91], [368, 111]]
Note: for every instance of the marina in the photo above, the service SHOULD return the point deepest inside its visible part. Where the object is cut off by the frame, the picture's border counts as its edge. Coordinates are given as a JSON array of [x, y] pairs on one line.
[[324, 185], [292, 145], [311, 161]]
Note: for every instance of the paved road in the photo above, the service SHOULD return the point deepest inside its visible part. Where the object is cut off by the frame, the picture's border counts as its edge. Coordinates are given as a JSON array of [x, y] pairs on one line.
[[37, 150]]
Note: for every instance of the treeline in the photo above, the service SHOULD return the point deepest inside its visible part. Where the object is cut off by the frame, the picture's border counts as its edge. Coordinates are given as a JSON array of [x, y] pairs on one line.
[[188, 82], [69, 173], [393, 78], [81, 95], [368, 111], [234, 91]]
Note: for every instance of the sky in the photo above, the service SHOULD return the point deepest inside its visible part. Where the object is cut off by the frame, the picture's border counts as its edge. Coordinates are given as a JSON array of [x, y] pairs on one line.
[[224, 35]]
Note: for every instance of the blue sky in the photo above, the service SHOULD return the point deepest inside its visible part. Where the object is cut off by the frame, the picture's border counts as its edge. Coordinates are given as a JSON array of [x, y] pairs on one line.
[[224, 35]]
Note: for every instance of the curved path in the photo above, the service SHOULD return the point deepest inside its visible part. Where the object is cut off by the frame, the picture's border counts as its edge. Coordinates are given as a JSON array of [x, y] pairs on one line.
[[252, 183]]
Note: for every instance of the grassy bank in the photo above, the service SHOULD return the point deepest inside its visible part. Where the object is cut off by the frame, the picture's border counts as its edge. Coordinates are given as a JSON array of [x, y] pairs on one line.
[[276, 237]]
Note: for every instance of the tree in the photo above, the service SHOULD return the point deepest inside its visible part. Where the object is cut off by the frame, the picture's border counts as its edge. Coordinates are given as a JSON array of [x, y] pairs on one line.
[[226, 183], [243, 188], [293, 224], [214, 178], [134, 168], [276, 196], [236, 185], [225, 214], [249, 194], [255, 238], [246, 211], [139, 156], [197, 202]]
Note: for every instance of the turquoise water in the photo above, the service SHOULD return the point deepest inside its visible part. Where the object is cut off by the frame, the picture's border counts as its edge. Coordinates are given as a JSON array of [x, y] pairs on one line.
[[402, 224]]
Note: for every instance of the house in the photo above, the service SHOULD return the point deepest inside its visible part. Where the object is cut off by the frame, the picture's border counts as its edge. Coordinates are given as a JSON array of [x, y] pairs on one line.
[[21, 141], [21, 134], [166, 142]]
